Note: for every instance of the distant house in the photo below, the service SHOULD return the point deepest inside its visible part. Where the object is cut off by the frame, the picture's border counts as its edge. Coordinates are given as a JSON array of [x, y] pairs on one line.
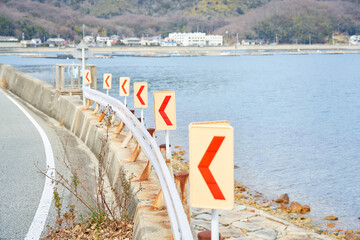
[[89, 40], [168, 42], [102, 41], [55, 41], [8, 39], [196, 39], [26, 43], [35, 42], [354, 40], [114, 39], [132, 41], [253, 42], [150, 41]]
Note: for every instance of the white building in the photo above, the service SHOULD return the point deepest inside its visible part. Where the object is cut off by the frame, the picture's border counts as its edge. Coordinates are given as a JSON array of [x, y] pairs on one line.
[[150, 41], [36, 42], [213, 40], [354, 40], [102, 41], [168, 42], [132, 41], [89, 40], [196, 39], [57, 41], [8, 39]]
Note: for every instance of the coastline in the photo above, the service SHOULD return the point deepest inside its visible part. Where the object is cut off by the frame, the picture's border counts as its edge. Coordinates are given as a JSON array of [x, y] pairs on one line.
[[197, 51], [268, 213]]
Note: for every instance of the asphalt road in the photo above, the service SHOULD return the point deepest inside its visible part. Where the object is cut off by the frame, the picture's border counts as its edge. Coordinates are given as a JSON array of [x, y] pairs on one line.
[[21, 147], [21, 186]]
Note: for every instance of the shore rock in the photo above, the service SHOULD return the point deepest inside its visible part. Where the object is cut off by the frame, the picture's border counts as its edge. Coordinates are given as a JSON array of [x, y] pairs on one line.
[[331, 218], [283, 199], [239, 196], [283, 207], [352, 236], [240, 187], [305, 209], [296, 207]]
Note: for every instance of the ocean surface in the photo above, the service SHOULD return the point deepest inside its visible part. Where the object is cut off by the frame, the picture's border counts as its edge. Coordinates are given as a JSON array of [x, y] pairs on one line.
[[296, 117]]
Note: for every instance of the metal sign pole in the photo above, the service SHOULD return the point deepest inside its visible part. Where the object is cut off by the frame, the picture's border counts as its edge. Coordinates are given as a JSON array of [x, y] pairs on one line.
[[125, 101], [107, 91], [142, 116], [167, 140], [215, 224], [83, 69]]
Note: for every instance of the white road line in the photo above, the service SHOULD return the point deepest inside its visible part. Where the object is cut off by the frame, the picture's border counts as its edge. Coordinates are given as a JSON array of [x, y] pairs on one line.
[[42, 211]]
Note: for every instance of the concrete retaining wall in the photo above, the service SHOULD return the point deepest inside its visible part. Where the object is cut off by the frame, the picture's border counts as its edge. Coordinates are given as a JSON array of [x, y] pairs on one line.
[[148, 222]]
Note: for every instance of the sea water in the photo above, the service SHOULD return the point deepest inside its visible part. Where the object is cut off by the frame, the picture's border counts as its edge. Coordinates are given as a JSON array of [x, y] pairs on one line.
[[296, 117]]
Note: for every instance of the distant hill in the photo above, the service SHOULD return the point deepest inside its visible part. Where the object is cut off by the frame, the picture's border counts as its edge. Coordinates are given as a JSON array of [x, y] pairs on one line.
[[286, 21]]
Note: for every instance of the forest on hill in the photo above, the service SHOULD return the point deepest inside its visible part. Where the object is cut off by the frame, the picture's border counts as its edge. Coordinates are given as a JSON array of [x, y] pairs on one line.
[[284, 21]]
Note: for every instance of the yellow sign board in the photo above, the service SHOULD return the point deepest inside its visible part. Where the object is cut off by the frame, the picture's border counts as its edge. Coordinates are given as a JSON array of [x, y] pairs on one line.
[[140, 95], [107, 81], [124, 86], [87, 77], [165, 110], [211, 152]]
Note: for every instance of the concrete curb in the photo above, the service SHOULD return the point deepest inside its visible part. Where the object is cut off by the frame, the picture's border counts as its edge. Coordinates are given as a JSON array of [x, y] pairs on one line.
[[148, 222]]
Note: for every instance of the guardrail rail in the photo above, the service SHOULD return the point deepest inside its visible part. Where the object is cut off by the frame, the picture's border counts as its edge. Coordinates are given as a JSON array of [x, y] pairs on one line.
[[178, 219]]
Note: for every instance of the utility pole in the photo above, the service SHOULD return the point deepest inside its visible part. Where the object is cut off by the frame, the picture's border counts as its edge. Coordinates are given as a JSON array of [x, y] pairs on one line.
[[309, 39], [83, 27]]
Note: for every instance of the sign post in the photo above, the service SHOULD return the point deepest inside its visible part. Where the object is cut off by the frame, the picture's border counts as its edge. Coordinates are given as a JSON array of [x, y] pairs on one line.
[[211, 151], [82, 52], [165, 115], [86, 76], [141, 97], [107, 82], [124, 87]]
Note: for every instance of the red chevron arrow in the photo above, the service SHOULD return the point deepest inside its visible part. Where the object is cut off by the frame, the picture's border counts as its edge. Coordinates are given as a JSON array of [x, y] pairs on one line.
[[204, 167], [122, 86], [139, 93], [162, 110], [87, 77], [107, 80]]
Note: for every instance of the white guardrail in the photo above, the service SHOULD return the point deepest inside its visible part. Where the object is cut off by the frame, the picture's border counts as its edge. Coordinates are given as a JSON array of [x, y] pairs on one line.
[[179, 223]]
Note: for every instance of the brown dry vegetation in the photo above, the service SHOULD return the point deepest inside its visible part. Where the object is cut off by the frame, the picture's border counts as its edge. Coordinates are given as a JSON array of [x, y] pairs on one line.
[[136, 18]]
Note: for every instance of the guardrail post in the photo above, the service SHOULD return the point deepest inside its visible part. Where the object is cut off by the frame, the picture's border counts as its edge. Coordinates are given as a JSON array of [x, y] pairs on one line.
[[88, 104], [96, 109], [168, 161], [147, 170], [159, 202], [103, 113], [206, 235], [182, 185], [137, 150], [121, 126]]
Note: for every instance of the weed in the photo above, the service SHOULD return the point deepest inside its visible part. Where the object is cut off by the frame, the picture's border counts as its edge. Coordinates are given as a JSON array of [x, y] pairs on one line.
[[100, 212]]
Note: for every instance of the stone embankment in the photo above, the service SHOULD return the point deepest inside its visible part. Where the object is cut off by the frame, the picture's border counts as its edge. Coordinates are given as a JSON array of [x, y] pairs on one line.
[[243, 222], [149, 222]]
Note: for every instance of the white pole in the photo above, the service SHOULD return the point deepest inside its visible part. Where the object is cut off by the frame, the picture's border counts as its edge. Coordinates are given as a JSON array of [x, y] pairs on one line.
[[142, 116], [83, 70], [167, 140], [215, 224], [107, 91], [125, 101]]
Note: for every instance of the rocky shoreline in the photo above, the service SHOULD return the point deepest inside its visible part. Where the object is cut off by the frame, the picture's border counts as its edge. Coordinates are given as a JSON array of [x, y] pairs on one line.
[[240, 50], [255, 217]]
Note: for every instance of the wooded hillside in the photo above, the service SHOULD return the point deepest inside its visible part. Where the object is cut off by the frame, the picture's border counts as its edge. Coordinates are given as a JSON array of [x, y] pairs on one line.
[[288, 21]]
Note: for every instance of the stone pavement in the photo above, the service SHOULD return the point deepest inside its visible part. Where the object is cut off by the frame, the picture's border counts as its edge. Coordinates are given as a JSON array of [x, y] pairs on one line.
[[247, 223]]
